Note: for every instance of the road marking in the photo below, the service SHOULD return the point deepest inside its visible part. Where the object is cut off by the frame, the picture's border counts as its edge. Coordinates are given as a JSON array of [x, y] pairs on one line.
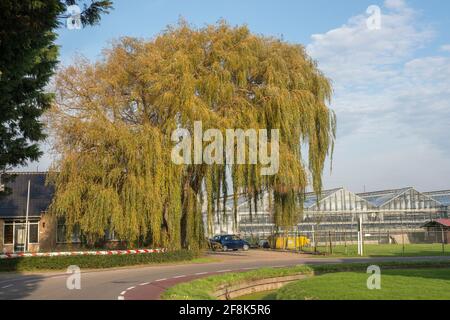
[[222, 271], [177, 277], [159, 280], [120, 298], [144, 284], [8, 286], [201, 273], [130, 288], [248, 268], [123, 292]]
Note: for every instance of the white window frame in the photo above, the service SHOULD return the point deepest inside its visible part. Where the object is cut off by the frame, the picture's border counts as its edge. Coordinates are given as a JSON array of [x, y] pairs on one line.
[[38, 232], [4, 227], [14, 224]]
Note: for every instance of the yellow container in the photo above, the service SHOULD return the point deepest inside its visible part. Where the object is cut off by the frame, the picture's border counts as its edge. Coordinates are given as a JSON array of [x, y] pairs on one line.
[[290, 243]]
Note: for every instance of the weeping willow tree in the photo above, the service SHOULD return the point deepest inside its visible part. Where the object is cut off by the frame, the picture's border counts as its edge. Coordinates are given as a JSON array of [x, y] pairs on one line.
[[113, 119]]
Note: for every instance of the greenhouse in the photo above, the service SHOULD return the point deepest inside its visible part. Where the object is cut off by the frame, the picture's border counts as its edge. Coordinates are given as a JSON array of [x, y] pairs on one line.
[[388, 216]]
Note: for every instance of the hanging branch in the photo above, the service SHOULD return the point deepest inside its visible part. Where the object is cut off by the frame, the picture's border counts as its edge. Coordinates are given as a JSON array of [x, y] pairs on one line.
[[113, 121]]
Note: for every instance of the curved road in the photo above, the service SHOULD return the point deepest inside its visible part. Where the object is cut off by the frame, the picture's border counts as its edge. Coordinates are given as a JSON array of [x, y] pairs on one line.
[[149, 282]]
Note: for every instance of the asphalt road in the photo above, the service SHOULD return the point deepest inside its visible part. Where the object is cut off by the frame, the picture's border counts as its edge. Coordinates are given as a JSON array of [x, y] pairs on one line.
[[147, 282]]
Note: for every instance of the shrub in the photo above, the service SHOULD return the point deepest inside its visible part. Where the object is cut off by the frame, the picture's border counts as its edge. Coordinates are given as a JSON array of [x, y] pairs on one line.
[[94, 262]]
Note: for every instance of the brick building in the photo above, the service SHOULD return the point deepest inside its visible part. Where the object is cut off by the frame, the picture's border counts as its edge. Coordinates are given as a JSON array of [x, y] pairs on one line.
[[13, 207], [46, 232]]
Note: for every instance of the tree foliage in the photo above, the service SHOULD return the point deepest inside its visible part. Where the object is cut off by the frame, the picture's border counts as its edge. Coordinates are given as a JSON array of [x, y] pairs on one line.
[[113, 121], [91, 11], [28, 57]]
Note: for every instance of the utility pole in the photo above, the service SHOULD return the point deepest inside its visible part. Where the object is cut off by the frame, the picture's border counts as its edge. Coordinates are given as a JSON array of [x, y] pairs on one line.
[[360, 237], [331, 243], [27, 224], [314, 238], [359, 242]]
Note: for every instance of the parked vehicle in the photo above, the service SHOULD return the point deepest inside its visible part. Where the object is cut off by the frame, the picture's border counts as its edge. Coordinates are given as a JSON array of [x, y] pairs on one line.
[[231, 242]]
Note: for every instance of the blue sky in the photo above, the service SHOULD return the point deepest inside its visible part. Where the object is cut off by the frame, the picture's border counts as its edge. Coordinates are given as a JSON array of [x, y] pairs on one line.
[[392, 94], [295, 20]]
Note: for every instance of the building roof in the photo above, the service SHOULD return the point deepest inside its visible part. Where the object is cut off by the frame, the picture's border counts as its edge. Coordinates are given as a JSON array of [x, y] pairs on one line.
[[440, 222], [375, 199], [379, 198], [311, 197], [444, 222], [13, 204], [442, 197]]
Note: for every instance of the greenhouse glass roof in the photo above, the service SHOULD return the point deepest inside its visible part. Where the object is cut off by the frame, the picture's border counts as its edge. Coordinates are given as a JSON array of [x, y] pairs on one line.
[[311, 198], [381, 197], [443, 197]]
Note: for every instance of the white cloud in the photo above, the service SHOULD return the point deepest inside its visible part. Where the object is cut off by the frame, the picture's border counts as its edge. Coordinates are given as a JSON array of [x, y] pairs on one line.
[[387, 97], [445, 48], [395, 4], [354, 55]]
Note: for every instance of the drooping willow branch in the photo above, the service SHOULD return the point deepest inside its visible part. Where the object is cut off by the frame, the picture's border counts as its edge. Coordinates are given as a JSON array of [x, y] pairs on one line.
[[113, 120]]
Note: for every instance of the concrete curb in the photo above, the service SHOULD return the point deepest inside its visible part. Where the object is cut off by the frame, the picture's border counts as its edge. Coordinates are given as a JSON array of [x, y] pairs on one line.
[[226, 292]]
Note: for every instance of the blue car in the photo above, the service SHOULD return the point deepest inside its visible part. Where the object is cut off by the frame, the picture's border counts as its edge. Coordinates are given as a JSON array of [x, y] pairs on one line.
[[231, 242]]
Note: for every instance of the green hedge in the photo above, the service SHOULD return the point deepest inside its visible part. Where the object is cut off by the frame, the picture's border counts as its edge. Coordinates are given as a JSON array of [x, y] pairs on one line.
[[94, 262], [203, 289]]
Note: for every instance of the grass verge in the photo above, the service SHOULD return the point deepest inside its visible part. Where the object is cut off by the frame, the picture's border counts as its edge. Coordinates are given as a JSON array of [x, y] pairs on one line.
[[203, 289], [97, 262], [385, 250], [398, 284]]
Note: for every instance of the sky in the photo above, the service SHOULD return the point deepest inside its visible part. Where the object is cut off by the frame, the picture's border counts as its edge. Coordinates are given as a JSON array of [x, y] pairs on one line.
[[391, 84]]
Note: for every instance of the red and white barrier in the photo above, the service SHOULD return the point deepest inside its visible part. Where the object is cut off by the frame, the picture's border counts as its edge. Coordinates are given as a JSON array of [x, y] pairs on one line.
[[79, 253]]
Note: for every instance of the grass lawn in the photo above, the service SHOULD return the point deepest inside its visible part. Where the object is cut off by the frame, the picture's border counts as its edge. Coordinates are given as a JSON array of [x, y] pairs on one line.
[[204, 288], [379, 250], [401, 284]]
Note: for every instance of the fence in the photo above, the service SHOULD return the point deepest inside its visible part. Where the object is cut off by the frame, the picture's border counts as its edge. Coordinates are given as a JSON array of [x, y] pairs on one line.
[[381, 242]]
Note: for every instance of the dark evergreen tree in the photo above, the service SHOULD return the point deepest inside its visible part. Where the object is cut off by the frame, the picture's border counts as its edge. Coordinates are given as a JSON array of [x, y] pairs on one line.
[[28, 56]]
